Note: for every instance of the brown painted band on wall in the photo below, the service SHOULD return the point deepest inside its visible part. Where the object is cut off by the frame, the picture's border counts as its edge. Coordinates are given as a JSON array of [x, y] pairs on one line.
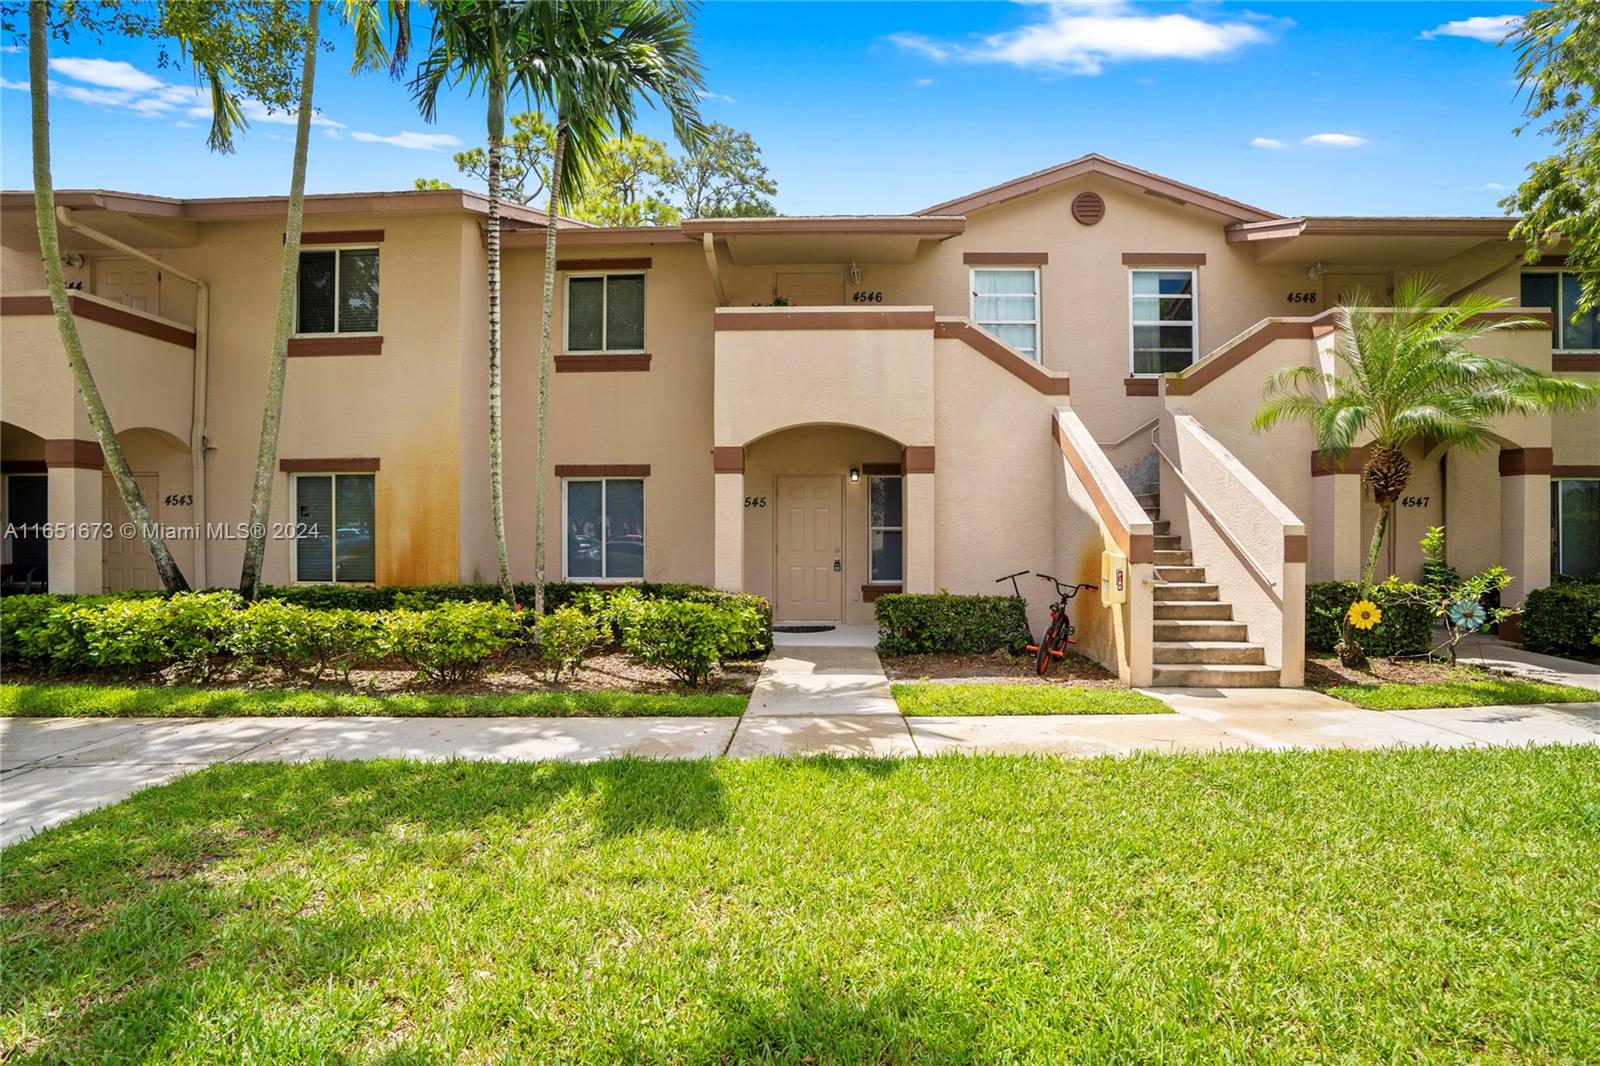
[[1570, 363], [1005, 258], [341, 236], [1323, 464], [601, 364], [72, 452], [22, 466], [918, 459], [1018, 366], [790, 320], [604, 264], [313, 346], [328, 466], [1296, 548], [1137, 386], [882, 469], [602, 470], [1579, 470], [1163, 259], [1139, 547], [872, 592], [99, 312], [1521, 462], [727, 460], [1219, 363]]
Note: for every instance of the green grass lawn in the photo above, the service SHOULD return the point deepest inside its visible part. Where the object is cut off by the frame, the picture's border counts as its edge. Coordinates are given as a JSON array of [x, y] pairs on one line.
[[1405, 905], [1490, 691], [939, 700], [129, 701]]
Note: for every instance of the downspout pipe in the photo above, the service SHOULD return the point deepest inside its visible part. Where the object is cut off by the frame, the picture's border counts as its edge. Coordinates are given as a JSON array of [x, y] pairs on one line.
[[197, 403]]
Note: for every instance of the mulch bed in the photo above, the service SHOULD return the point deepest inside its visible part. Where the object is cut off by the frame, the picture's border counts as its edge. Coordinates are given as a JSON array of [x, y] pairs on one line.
[[1324, 673], [996, 668]]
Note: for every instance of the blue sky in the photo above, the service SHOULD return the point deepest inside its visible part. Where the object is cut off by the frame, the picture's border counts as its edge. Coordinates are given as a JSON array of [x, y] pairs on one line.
[[1319, 108]]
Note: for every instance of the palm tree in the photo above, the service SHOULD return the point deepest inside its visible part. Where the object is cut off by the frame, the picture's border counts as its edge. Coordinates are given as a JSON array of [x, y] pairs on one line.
[[363, 15], [482, 43], [590, 63], [1407, 373]]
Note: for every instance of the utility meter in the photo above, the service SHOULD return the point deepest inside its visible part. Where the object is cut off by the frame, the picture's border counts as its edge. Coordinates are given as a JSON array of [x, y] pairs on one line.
[[1113, 578]]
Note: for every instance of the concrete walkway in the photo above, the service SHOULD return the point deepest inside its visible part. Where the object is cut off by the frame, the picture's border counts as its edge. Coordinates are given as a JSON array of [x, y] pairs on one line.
[[814, 699], [1495, 654]]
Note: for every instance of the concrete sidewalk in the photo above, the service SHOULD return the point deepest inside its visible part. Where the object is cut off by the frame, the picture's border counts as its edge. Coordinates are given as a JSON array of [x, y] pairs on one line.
[[1491, 653]]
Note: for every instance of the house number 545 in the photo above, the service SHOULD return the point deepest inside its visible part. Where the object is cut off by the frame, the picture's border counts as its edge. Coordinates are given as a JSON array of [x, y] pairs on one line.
[[755, 501]]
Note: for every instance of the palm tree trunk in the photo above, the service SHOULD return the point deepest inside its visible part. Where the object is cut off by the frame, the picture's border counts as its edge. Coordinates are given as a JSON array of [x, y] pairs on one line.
[[544, 362], [496, 438], [44, 209], [1376, 547], [278, 361]]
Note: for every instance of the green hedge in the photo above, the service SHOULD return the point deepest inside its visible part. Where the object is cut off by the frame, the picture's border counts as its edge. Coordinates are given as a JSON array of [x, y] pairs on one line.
[[920, 623], [1406, 629], [1563, 619]]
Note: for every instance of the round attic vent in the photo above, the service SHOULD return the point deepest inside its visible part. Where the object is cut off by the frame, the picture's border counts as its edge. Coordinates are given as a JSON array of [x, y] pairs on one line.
[[1088, 208]]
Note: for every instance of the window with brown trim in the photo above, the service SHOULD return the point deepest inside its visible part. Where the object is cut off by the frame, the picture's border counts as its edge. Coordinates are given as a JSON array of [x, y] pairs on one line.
[[335, 528], [886, 529], [605, 313], [604, 522], [1162, 318], [337, 292]]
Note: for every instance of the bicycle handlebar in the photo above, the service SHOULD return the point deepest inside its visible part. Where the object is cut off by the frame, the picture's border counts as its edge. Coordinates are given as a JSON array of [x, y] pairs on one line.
[[1008, 577], [1064, 590]]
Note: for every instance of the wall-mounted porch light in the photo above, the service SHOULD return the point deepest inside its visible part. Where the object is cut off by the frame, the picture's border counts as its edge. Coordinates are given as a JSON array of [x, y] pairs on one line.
[[855, 274], [855, 474]]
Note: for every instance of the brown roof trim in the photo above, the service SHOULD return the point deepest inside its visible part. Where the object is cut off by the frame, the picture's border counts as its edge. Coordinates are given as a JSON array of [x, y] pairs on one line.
[[1521, 462], [640, 263], [917, 459], [1048, 382], [359, 345], [883, 469], [600, 363], [602, 470], [1323, 464], [727, 459], [921, 223], [872, 592], [1373, 226], [1139, 548], [342, 203], [328, 466], [108, 314], [1236, 351], [1571, 362], [74, 452], [1099, 164], [1578, 470], [342, 236], [1133, 385], [1005, 258], [728, 319], [1163, 259]]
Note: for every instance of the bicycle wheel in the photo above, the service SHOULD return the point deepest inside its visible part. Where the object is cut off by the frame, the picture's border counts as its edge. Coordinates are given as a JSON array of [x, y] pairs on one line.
[[1051, 642]]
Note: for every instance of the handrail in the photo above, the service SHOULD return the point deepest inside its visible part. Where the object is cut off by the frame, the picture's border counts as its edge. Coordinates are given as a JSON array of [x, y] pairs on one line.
[[1239, 549], [1131, 434]]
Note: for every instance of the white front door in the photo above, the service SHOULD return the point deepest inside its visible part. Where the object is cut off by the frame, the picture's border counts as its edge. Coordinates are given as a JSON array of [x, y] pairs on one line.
[[125, 561], [130, 282], [810, 535]]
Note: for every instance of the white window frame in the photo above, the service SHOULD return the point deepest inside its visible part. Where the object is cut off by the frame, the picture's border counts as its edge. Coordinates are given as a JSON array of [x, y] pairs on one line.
[[1038, 308], [1559, 328], [901, 529], [603, 577], [336, 249], [1193, 323], [605, 296], [1557, 563], [333, 544]]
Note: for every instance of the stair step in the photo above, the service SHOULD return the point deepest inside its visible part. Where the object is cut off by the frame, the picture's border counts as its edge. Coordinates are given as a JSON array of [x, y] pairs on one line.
[[1148, 499], [1194, 611], [1165, 572], [1211, 676], [1213, 652], [1153, 513], [1165, 541], [1186, 590], [1187, 629], [1174, 558]]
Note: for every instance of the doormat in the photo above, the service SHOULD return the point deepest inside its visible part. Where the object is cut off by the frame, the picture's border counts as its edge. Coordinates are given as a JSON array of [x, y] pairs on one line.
[[802, 629]]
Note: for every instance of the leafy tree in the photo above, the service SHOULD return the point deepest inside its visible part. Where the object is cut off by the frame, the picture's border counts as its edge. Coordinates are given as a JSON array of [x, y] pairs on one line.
[[723, 177], [624, 184], [524, 159], [1407, 373], [1558, 65], [427, 184], [234, 48]]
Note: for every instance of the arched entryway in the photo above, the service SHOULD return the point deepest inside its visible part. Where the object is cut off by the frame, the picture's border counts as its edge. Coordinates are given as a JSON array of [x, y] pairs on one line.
[[24, 510]]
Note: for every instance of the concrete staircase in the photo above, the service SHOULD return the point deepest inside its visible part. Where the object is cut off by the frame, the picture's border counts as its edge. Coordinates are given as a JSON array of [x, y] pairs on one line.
[[1197, 643]]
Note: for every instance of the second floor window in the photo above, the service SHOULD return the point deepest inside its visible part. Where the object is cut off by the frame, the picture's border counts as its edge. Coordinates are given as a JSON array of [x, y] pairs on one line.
[[1006, 303], [605, 313], [338, 291], [1163, 320], [1558, 290]]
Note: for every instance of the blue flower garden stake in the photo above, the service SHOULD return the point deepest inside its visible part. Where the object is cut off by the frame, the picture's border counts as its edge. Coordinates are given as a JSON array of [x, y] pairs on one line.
[[1467, 615]]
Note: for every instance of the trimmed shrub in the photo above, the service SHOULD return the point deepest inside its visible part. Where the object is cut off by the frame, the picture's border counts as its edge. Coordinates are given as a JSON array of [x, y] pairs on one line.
[[1406, 629], [690, 638], [453, 642], [1563, 619], [566, 635], [944, 623], [295, 640], [20, 618]]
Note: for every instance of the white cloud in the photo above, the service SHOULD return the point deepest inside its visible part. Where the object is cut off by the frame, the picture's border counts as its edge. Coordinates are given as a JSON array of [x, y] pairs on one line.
[[922, 83], [1335, 140], [1082, 39], [106, 73], [1265, 142], [7, 83], [256, 111], [1491, 29], [707, 94], [422, 142]]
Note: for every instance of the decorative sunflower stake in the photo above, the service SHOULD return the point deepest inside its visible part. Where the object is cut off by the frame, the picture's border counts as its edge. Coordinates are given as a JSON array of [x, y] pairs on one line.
[[1364, 614]]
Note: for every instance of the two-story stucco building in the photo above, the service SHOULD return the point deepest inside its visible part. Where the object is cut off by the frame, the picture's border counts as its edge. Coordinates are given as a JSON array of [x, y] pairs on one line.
[[816, 409]]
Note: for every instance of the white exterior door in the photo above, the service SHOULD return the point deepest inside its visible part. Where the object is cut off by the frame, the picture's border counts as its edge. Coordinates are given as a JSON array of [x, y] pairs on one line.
[[125, 561], [810, 535], [130, 282]]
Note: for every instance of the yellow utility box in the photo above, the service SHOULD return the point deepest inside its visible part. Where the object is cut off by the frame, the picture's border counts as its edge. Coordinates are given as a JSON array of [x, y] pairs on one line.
[[1113, 578]]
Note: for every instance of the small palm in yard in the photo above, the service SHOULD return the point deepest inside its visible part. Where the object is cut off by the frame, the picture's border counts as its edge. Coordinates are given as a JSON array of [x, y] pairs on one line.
[[1405, 373]]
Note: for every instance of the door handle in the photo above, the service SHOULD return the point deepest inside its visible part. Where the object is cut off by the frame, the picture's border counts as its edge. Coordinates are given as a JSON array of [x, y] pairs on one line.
[[836, 566]]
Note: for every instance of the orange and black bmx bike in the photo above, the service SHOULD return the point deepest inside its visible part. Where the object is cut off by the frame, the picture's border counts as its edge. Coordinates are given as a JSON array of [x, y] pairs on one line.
[[1052, 647]]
